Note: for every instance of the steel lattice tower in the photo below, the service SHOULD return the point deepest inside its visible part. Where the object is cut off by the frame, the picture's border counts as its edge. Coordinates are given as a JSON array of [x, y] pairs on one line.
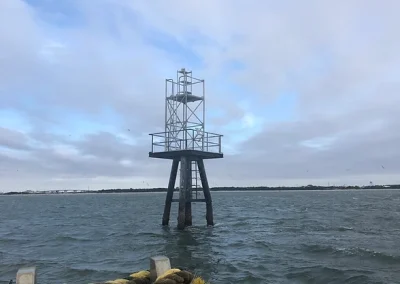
[[185, 141]]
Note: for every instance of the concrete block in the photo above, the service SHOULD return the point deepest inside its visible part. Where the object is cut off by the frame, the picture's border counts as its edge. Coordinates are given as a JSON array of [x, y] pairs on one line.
[[158, 266], [26, 275]]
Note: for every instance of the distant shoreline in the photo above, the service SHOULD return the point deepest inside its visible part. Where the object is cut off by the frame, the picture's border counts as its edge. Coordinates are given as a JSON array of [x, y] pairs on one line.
[[214, 189]]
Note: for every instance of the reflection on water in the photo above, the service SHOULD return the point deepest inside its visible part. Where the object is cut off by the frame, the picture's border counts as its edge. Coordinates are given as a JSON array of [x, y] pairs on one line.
[[191, 249]]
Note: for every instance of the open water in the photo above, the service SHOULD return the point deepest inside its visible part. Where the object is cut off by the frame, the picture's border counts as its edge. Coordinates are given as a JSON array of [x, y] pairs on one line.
[[259, 237]]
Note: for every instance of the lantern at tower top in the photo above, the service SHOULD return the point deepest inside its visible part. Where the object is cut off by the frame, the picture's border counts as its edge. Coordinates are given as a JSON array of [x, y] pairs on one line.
[[185, 117]]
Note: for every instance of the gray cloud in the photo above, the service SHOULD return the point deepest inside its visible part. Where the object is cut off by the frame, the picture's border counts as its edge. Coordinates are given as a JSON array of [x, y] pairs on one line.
[[13, 139], [340, 60], [96, 156], [361, 142]]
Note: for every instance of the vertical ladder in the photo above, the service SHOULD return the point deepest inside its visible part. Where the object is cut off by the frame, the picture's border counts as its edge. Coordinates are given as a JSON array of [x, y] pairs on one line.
[[196, 182]]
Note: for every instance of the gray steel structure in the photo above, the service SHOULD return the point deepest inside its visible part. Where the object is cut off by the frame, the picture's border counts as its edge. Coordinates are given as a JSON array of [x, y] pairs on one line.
[[185, 141]]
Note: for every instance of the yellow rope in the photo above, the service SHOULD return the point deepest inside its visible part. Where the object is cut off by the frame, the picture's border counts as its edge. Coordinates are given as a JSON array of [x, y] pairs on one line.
[[171, 276], [166, 274], [198, 280], [141, 274], [118, 281]]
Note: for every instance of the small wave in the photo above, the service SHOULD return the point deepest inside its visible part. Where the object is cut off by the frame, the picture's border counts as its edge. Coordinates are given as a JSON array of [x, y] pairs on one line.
[[323, 274], [384, 257], [71, 238], [342, 229], [240, 223], [317, 248], [84, 271], [261, 244], [355, 251], [148, 234], [120, 234], [278, 222]]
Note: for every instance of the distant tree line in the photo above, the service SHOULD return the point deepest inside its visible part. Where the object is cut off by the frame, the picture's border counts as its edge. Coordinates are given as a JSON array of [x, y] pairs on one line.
[[308, 187], [256, 188]]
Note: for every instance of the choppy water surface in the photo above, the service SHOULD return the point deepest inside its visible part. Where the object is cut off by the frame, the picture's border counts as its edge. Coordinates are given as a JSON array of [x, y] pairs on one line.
[[259, 237]]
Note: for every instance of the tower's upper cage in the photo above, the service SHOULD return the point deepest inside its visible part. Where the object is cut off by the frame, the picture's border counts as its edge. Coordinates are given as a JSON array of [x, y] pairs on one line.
[[185, 117]]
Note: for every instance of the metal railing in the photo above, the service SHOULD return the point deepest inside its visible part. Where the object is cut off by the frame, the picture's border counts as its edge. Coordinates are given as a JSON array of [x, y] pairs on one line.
[[187, 139]]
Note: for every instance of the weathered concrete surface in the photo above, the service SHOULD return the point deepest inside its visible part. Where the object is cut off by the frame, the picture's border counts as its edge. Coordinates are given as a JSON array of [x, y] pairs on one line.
[[158, 266], [26, 275]]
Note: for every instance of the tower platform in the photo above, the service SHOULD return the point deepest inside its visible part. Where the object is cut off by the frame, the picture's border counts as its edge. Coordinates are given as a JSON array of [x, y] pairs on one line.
[[193, 154], [188, 157]]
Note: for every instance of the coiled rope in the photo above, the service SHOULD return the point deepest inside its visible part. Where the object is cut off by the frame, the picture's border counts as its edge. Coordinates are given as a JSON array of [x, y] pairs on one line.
[[171, 276]]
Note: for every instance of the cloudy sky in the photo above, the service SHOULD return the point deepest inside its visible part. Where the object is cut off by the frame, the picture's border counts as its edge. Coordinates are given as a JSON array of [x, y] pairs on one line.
[[303, 91]]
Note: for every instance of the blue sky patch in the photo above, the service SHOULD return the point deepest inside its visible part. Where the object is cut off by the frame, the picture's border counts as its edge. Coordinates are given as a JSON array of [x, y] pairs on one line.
[[170, 44], [62, 13], [15, 120], [75, 124]]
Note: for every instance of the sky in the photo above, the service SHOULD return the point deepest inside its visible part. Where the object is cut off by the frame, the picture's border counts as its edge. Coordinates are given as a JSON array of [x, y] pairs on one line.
[[304, 92]]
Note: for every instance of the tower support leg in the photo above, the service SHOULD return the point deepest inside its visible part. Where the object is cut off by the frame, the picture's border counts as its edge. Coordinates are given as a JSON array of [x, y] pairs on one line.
[[207, 193], [183, 193], [170, 192], [188, 206]]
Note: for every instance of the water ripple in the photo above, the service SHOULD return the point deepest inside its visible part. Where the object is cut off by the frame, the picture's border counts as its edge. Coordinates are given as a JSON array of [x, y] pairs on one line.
[[259, 237]]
